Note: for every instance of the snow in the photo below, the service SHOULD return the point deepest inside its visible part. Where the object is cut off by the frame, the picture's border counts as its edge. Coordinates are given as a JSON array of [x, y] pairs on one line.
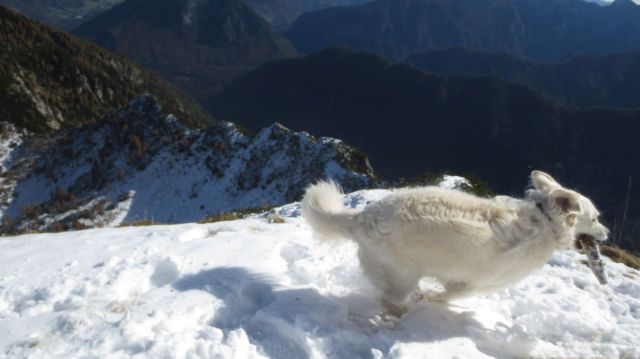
[[10, 141], [453, 182], [251, 289]]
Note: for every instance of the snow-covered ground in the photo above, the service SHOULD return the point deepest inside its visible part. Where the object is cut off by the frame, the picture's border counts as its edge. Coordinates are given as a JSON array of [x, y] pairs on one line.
[[252, 288]]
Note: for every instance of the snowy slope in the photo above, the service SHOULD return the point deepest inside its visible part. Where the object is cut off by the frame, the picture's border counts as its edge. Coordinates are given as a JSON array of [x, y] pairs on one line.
[[250, 288], [10, 140], [140, 163]]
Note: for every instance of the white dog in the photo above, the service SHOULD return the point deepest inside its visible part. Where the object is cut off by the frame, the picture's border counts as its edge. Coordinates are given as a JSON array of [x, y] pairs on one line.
[[469, 244]]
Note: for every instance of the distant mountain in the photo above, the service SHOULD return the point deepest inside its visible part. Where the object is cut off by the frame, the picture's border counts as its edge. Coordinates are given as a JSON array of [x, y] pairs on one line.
[[409, 122], [64, 14], [197, 45], [282, 13], [140, 163], [538, 29], [49, 79], [582, 80], [599, 2]]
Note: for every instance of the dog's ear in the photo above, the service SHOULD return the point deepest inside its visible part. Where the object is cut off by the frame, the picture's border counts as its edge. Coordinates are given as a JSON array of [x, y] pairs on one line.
[[565, 200], [543, 182]]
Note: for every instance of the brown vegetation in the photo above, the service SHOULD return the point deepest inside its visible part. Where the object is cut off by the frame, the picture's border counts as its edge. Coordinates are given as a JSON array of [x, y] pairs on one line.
[[621, 256]]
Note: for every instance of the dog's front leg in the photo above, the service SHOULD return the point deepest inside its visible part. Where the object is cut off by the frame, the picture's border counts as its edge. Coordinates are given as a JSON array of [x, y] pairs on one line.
[[416, 296], [453, 290], [393, 309], [398, 309]]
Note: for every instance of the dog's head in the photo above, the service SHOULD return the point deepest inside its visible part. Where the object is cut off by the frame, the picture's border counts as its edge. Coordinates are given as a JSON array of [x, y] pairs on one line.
[[574, 209]]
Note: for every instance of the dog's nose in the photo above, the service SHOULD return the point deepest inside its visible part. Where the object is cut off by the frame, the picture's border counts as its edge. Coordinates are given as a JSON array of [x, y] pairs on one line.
[[603, 236]]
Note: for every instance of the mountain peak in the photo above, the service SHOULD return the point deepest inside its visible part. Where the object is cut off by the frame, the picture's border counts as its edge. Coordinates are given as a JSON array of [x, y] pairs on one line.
[[625, 3], [199, 45], [215, 23]]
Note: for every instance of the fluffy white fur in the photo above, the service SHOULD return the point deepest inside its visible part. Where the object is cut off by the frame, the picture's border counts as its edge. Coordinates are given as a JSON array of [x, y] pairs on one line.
[[470, 244]]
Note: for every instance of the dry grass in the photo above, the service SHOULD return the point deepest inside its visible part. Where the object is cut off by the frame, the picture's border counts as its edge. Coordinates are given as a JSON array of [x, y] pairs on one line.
[[621, 256], [275, 218], [233, 215], [57, 227], [222, 217], [139, 223]]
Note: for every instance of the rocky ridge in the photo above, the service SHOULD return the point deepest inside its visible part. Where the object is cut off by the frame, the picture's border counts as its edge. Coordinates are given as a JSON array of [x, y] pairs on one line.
[[141, 164]]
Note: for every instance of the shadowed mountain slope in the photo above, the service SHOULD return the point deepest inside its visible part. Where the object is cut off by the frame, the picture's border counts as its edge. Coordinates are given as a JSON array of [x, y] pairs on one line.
[[583, 80], [409, 122], [539, 29], [64, 14], [50, 79], [197, 45], [282, 13]]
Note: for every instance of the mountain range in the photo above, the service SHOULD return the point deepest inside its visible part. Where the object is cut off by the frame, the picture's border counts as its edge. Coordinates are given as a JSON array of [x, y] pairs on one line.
[[199, 46], [536, 29], [50, 79], [90, 139], [282, 13], [69, 14], [63, 14], [409, 121], [71, 158], [581, 80], [142, 164]]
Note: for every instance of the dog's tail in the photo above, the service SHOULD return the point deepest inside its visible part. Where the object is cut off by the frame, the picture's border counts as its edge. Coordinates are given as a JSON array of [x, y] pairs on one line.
[[323, 209]]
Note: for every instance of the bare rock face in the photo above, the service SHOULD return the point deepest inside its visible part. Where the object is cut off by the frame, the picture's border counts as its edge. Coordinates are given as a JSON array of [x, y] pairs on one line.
[[140, 163]]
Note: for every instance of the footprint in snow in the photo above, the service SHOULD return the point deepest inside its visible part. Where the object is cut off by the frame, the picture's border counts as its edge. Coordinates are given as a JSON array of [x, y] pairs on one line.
[[166, 272], [292, 252]]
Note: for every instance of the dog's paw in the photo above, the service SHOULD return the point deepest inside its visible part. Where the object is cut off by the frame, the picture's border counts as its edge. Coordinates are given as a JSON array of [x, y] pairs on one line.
[[385, 321], [417, 296]]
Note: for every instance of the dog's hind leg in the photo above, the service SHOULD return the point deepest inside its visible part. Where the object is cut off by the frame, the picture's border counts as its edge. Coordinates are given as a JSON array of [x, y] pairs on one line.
[[395, 286]]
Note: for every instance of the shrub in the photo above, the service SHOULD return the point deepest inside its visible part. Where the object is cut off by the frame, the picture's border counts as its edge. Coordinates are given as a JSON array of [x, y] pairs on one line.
[[57, 227], [61, 195], [7, 227], [30, 211], [100, 207], [135, 145], [77, 225], [476, 185]]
